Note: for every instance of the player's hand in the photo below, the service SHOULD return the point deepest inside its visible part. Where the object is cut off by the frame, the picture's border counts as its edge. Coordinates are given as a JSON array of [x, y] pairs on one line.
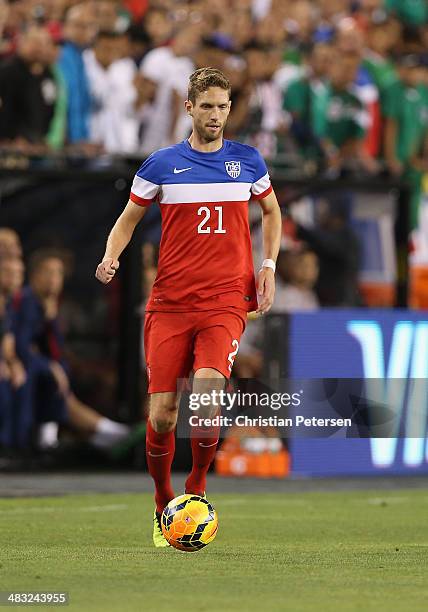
[[60, 377], [106, 270], [265, 290]]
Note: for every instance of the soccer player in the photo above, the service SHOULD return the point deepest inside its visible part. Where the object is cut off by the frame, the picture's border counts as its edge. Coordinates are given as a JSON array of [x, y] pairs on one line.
[[205, 283]]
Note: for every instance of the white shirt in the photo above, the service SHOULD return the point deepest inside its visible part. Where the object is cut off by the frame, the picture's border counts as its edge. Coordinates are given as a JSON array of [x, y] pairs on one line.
[[171, 73], [114, 121]]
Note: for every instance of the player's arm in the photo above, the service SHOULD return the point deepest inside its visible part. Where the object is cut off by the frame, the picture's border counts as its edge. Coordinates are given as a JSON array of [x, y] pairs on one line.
[[118, 239], [272, 227]]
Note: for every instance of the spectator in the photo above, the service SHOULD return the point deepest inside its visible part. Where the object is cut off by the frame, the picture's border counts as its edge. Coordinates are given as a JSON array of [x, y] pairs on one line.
[[40, 345], [5, 387], [57, 133], [300, 25], [139, 43], [13, 377], [170, 68], [336, 247], [28, 91], [183, 46], [347, 119], [380, 43], [110, 16], [271, 31], [211, 53], [235, 69], [307, 100], [12, 19], [10, 244], [403, 110], [159, 26], [239, 29], [114, 122], [266, 120], [406, 128], [79, 33], [351, 40], [297, 276]]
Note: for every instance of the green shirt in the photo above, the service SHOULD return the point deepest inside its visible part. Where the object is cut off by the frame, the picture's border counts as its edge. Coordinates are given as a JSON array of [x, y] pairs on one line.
[[292, 56], [308, 100], [408, 106], [57, 128], [346, 118], [414, 12]]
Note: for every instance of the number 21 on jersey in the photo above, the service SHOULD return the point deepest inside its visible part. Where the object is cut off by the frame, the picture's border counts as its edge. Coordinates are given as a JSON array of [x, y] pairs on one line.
[[205, 212]]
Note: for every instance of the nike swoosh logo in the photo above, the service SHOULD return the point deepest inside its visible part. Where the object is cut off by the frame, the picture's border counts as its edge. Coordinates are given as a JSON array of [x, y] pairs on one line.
[[207, 445], [176, 171], [162, 455]]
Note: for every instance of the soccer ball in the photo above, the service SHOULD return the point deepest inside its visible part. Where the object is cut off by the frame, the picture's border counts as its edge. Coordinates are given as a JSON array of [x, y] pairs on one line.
[[189, 522]]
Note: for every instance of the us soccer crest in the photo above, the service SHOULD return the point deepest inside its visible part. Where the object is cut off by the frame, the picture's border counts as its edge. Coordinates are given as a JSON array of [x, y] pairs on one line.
[[233, 168]]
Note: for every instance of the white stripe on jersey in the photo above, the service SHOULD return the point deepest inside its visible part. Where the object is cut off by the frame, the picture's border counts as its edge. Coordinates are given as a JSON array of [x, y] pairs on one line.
[[261, 185], [144, 189], [205, 192]]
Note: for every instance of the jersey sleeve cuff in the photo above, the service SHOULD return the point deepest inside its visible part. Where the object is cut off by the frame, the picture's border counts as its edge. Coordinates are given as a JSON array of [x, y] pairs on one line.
[[259, 196], [140, 201]]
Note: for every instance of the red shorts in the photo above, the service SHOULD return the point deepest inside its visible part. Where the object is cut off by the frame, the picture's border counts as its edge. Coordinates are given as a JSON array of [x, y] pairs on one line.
[[175, 343]]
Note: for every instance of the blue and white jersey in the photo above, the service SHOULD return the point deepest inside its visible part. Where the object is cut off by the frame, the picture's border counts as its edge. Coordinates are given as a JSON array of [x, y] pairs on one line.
[[205, 256], [181, 175]]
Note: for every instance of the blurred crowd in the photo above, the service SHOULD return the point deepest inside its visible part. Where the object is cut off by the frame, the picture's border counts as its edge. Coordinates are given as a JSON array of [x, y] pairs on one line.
[[37, 402], [330, 84]]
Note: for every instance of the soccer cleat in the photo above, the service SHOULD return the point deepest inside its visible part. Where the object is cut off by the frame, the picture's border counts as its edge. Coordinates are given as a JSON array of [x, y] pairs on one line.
[[158, 537]]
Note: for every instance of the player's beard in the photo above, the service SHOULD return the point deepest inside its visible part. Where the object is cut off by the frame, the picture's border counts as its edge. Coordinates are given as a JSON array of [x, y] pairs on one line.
[[207, 135]]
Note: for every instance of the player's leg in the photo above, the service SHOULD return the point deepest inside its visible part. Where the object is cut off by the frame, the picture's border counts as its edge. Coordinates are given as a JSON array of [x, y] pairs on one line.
[[168, 352], [204, 438], [160, 444], [216, 345]]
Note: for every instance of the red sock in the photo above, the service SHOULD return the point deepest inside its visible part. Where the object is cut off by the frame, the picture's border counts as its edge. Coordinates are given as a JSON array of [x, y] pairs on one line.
[[160, 449], [204, 445]]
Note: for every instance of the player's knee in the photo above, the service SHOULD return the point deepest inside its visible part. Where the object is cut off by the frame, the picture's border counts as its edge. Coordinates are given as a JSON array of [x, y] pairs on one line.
[[163, 424], [163, 418]]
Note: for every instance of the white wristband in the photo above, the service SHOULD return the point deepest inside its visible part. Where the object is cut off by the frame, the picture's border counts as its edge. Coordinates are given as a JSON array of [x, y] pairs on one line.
[[269, 263]]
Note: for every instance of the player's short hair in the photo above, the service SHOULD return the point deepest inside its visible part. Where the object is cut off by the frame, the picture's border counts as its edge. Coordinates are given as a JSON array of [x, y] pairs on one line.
[[203, 78]]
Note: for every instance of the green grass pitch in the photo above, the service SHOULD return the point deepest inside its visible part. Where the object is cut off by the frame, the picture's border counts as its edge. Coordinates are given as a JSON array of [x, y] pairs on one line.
[[346, 551]]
